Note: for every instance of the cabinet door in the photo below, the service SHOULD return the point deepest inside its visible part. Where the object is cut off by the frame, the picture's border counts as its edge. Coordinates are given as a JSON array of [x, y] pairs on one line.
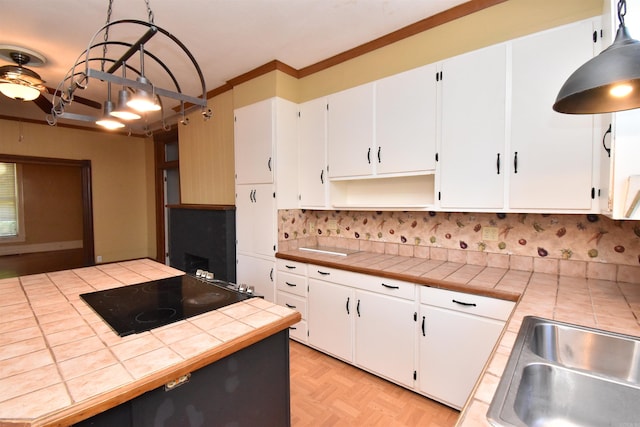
[[473, 130], [254, 142], [406, 121], [454, 348], [312, 153], [255, 219], [329, 308], [551, 157], [350, 124], [385, 336], [257, 272]]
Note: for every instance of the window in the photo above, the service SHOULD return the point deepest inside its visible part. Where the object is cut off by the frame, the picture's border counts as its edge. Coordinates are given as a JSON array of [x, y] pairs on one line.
[[11, 225]]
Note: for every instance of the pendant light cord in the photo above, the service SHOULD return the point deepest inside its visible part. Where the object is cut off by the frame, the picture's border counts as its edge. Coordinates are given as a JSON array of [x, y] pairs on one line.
[[622, 11]]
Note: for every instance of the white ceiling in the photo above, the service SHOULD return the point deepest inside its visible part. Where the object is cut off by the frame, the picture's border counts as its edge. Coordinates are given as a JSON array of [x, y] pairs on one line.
[[226, 37]]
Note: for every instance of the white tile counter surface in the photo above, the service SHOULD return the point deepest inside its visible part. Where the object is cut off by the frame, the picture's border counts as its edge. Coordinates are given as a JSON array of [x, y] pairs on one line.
[[592, 302], [59, 358]]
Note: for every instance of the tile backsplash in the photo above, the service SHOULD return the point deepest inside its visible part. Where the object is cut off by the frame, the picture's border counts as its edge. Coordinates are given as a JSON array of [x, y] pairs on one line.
[[593, 244]]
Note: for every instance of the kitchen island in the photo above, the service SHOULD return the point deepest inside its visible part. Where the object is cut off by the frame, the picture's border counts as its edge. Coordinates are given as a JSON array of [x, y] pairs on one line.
[[60, 363], [583, 296]]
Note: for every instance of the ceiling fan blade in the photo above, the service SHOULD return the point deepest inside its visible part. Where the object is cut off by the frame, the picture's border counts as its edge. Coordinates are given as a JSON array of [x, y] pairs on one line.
[[80, 100], [44, 104]]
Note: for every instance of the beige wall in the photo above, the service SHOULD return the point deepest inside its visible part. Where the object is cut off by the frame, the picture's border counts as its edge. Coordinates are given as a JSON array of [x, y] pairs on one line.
[[122, 175]]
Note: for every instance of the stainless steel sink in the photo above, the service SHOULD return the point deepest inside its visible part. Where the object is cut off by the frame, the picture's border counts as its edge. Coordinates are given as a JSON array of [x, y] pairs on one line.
[[560, 374]]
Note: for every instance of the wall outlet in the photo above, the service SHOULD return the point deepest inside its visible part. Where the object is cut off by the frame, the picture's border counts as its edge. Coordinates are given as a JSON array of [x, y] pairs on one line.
[[490, 234], [99, 258], [332, 224]]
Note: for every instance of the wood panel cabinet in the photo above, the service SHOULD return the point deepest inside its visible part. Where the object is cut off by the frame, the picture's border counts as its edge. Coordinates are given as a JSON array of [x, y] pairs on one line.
[[312, 165], [472, 163], [551, 154]]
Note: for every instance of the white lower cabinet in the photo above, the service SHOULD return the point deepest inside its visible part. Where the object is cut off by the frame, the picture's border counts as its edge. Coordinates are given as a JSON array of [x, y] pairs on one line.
[[384, 336], [364, 320], [291, 292], [457, 335], [433, 341], [256, 272]]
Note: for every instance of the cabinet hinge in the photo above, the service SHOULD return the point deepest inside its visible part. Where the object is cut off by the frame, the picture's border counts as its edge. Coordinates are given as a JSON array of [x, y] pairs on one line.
[[415, 375], [438, 195], [327, 107], [593, 193], [299, 115], [235, 119], [437, 157], [595, 36], [274, 194], [415, 316]]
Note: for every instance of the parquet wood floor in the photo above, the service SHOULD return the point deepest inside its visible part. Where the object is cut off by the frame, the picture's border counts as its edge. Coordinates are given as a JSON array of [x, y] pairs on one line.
[[329, 392]]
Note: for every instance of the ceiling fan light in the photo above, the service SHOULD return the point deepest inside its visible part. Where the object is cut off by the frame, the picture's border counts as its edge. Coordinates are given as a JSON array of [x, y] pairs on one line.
[[19, 92], [594, 87], [106, 121], [123, 111]]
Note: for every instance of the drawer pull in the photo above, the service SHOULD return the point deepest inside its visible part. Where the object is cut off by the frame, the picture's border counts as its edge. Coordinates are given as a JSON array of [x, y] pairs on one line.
[[290, 306], [324, 273], [423, 326], [348, 305], [390, 286], [293, 328], [293, 284], [468, 304], [290, 267]]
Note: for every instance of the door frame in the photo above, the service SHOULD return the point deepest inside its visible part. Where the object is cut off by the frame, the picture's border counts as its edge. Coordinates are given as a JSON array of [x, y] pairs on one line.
[[160, 140], [88, 250]]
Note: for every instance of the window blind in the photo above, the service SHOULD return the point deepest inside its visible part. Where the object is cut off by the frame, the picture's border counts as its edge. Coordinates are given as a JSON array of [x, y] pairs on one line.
[[8, 200]]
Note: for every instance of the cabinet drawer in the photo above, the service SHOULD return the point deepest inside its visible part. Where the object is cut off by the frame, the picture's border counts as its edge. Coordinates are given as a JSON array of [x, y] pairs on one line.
[[298, 331], [467, 303], [294, 302], [291, 283], [294, 267], [327, 274], [381, 285]]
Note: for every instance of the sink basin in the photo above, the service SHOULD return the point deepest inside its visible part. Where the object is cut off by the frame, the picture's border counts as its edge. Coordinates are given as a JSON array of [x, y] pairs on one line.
[[560, 374], [588, 350]]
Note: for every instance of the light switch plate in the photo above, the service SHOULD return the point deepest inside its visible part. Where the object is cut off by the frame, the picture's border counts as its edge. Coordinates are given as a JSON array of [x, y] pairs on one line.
[[490, 234]]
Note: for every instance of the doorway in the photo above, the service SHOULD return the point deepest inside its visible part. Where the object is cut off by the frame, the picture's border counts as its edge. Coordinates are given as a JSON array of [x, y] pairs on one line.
[[167, 187], [57, 217]]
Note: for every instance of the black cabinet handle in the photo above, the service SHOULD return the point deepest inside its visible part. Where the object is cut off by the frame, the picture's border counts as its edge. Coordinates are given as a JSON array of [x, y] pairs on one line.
[[269, 163], [358, 308], [390, 286], [293, 328], [291, 284], [322, 176], [379, 160], [608, 150], [423, 325], [290, 267], [289, 305], [271, 275], [369, 155], [348, 305], [515, 162], [498, 163], [324, 273], [467, 304]]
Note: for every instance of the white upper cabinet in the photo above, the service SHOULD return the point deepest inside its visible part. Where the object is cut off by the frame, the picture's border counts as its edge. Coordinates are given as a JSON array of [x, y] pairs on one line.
[[551, 156], [254, 136], [350, 124], [312, 146], [472, 168], [406, 122]]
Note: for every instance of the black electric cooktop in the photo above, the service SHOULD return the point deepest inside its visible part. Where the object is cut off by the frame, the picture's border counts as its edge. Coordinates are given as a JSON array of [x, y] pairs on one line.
[[137, 308]]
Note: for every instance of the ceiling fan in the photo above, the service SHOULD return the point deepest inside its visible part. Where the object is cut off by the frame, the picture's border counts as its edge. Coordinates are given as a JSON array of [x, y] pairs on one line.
[[21, 83]]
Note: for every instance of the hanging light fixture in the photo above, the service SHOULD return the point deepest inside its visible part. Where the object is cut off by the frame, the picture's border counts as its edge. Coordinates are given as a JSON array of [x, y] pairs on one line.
[[107, 121], [18, 82], [608, 82], [139, 94], [123, 111]]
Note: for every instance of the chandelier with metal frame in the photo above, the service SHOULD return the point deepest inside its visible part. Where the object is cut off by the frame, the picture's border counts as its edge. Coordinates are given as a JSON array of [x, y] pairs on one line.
[[107, 60]]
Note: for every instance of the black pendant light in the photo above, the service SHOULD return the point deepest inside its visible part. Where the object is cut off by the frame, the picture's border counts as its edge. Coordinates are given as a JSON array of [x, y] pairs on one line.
[[609, 82]]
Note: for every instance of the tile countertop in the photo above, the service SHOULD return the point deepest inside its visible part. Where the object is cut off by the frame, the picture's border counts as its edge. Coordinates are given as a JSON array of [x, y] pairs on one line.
[[603, 304], [61, 363]]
